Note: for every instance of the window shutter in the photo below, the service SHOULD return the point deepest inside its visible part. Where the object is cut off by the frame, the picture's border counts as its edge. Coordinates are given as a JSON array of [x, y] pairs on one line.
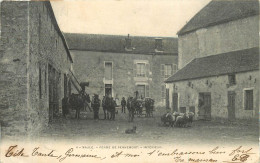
[[162, 70], [147, 67], [163, 91], [174, 68], [147, 89], [134, 69]]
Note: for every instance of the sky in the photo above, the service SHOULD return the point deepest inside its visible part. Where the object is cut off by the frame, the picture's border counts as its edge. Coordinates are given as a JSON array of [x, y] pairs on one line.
[[121, 17]]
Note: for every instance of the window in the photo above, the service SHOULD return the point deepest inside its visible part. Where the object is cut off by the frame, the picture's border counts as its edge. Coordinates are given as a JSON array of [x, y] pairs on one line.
[[40, 82], [140, 69], [248, 99], [168, 69], [158, 44], [108, 70], [163, 91], [232, 79]]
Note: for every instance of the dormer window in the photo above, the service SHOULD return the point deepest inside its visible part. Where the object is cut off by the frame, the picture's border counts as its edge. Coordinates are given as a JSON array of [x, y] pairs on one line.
[[232, 79], [128, 43], [158, 44]]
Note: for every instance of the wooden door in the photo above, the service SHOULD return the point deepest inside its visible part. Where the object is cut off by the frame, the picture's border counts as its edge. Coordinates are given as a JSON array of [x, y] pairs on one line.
[[231, 105], [175, 102], [204, 106], [167, 99], [207, 100]]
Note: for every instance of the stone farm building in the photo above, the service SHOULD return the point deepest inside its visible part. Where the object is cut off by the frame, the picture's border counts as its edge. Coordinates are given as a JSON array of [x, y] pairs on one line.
[[218, 63], [35, 65], [124, 64]]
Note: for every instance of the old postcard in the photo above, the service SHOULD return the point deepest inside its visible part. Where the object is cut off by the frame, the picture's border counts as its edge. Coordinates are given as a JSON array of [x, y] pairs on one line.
[[160, 81]]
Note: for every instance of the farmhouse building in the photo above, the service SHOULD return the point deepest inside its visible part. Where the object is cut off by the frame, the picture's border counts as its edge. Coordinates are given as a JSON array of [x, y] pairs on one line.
[[35, 66], [218, 62], [121, 65]]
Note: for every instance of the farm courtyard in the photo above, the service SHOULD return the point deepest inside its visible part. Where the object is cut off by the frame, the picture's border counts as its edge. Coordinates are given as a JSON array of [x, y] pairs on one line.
[[149, 130]]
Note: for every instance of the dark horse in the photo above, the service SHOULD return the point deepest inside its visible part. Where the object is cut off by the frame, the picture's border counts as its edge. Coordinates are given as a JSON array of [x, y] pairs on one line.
[[79, 102], [149, 106]]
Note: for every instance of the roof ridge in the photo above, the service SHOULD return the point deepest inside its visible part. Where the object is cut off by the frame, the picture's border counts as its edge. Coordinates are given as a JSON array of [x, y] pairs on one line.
[[136, 36], [219, 12], [215, 55]]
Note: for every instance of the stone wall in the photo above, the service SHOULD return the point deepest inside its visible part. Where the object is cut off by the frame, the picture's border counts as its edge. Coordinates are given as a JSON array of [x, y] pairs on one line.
[[46, 48], [231, 36], [30, 43], [89, 66], [13, 66], [189, 96]]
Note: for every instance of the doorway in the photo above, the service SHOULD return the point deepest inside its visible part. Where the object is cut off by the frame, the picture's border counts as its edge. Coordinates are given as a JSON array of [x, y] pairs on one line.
[[53, 80], [108, 89], [205, 106], [231, 105], [175, 102]]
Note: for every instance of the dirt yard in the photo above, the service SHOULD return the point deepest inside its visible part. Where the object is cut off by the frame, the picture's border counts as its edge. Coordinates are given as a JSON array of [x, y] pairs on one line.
[[149, 130]]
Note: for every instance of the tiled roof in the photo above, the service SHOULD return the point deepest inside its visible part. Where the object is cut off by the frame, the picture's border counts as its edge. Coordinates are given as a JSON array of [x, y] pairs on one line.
[[116, 43], [221, 64], [221, 11]]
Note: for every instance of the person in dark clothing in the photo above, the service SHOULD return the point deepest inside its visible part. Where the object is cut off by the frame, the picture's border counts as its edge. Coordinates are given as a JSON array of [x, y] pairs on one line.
[[78, 102], [113, 109], [65, 106], [123, 104], [108, 105], [95, 105], [104, 107], [130, 108]]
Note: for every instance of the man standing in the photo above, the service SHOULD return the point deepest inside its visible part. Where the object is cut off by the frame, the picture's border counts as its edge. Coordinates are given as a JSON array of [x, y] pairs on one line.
[[113, 109], [95, 105], [104, 107], [65, 107], [108, 105], [123, 104], [130, 108]]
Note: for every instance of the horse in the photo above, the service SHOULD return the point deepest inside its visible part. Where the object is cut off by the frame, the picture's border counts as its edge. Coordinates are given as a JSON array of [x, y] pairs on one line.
[[149, 104], [79, 102]]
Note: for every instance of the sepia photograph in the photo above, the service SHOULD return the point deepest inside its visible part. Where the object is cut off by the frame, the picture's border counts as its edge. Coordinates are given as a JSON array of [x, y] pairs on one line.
[[129, 81]]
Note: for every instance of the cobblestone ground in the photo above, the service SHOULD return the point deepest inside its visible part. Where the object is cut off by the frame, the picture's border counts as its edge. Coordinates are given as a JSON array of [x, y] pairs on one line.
[[149, 130]]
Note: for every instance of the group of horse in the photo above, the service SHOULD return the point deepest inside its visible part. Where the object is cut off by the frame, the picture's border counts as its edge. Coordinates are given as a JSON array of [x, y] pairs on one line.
[[177, 119], [137, 106]]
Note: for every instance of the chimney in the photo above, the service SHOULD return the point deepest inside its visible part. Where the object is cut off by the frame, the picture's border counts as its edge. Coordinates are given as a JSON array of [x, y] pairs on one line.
[[128, 42]]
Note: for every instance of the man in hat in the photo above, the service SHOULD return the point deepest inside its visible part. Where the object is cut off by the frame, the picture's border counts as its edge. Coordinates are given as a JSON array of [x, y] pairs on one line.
[[123, 104], [95, 105], [104, 107], [113, 109]]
